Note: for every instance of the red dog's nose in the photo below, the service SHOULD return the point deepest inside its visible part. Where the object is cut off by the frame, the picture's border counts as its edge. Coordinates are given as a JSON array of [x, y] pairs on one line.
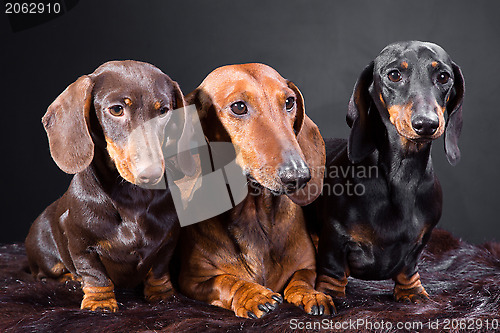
[[294, 174]]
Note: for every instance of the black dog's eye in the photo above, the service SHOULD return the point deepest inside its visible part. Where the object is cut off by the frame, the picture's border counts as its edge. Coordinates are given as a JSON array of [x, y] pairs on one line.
[[239, 108], [443, 77], [116, 110], [289, 103], [394, 76]]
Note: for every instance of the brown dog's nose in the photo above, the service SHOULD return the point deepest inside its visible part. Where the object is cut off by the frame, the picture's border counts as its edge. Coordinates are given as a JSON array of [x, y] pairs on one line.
[[294, 174], [425, 125], [150, 175]]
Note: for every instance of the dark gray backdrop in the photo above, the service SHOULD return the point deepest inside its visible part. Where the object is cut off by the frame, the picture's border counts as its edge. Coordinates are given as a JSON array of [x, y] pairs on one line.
[[320, 45]]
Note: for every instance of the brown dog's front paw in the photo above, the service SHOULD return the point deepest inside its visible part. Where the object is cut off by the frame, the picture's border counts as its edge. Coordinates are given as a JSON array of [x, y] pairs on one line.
[[410, 289], [156, 290], [313, 302], [254, 301], [99, 299], [66, 277]]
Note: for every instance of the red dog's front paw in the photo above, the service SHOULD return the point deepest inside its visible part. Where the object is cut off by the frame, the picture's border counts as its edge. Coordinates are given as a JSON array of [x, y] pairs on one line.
[[312, 301], [254, 301]]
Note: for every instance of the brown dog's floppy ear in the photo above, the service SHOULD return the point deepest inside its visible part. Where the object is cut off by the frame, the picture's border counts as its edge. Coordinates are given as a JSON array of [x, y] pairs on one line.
[[454, 123], [313, 147], [66, 122], [360, 143], [184, 157]]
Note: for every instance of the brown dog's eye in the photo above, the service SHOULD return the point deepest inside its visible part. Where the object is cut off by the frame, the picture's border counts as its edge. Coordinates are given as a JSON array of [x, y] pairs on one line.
[[394, 76], [443, 77], [289, 103], [163, 110], [116, 110], [239, 108]]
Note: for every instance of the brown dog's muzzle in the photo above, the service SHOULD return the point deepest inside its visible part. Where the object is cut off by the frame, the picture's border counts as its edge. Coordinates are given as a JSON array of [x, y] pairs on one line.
[[140, 159]]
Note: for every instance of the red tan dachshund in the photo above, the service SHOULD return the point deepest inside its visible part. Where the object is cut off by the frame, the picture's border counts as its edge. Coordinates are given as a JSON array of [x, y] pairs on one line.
[[243, 259], [105, 230]]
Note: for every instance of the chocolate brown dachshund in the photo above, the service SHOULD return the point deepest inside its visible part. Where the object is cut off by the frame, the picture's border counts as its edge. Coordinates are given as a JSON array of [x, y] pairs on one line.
[[243, 259], [106, 230]]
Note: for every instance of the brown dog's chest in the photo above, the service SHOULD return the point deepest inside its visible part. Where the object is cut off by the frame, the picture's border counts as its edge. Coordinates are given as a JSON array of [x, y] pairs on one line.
[[131, 243]]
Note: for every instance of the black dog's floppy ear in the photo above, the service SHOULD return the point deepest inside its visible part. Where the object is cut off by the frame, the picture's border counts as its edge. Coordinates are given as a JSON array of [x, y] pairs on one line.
[[299, 118], [360, 143], [454, 123], [66, 124], [184, 158]]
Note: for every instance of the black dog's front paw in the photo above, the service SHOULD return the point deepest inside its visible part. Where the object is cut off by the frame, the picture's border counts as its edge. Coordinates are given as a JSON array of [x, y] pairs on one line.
[[410, 289]]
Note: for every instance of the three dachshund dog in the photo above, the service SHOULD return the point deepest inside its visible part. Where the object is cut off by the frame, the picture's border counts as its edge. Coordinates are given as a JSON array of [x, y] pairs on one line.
[[107, 230]]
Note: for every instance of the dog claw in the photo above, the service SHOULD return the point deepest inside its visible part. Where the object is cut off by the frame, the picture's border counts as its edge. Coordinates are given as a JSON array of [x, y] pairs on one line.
[[252, 315], [312, 302], [262, 307], [278, 299]]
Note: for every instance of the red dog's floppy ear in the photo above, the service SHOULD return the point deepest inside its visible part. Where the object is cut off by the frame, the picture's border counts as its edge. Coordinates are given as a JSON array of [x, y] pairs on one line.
[[299, 118], [66, 124], [313, 148], [454, 123]]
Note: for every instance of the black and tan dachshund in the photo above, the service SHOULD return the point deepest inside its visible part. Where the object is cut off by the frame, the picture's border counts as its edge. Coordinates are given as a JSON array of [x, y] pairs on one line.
[[106, 230], [381, 198]]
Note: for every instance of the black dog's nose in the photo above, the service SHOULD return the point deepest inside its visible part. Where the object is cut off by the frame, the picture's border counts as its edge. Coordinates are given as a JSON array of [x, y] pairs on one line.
[[425, 125], [294, 175], [150, 175]]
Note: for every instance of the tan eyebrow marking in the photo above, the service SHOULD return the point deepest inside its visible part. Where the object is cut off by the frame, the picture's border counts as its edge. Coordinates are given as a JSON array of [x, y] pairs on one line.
[[127, 101], [157, 105], [404, 65], [381, 99], [434, 64]]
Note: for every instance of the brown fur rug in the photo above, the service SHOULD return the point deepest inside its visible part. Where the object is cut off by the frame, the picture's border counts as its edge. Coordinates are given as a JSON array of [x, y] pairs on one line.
[[462, 279]]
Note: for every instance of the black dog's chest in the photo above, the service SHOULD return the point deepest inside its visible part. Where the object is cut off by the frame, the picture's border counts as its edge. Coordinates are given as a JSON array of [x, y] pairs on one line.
[[378, 228], [374, 255]]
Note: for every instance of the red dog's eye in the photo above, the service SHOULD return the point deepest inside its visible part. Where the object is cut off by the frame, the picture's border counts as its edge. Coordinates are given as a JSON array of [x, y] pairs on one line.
[[116, 110], [239, 108], [443, 77], [289, 103], [394, 76]]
